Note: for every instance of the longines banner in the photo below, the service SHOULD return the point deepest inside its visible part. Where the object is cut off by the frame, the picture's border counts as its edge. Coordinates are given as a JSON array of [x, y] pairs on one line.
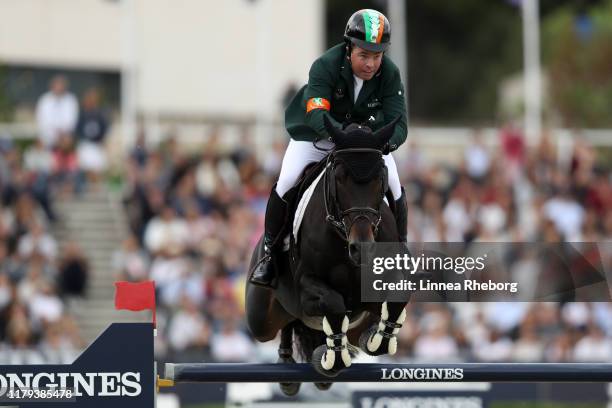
[[486, 395], [115, 371], [486, 272], [420, 399]]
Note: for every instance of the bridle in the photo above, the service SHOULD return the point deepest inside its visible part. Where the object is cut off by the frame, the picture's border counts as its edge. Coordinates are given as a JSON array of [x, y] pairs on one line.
[[337, 217]]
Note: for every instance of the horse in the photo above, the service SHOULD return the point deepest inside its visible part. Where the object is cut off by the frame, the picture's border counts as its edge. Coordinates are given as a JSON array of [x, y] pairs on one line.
[[317, 296]]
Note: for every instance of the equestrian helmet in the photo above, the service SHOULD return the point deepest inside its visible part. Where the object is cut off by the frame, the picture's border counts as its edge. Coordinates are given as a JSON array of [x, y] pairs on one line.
[[368, 29]]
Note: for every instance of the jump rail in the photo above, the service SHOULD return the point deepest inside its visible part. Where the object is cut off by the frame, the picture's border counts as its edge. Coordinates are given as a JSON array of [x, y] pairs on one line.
[[467, 372]]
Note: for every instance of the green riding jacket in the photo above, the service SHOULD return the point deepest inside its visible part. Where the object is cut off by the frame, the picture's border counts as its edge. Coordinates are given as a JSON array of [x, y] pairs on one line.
[[330, 91]]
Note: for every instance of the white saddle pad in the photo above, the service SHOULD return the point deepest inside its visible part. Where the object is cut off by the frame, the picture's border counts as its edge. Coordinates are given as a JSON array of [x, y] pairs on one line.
[[301, 208]]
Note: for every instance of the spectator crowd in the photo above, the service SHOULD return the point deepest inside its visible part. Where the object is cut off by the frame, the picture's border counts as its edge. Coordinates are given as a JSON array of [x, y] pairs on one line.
[[38, 277]]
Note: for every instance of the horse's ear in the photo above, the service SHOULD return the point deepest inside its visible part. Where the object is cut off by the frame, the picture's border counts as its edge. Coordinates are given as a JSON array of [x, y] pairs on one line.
[[383, 135], [337, 135]]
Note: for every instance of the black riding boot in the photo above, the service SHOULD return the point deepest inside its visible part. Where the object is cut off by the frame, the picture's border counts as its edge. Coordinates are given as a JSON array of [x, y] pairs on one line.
[[264, 273], [401, 217]]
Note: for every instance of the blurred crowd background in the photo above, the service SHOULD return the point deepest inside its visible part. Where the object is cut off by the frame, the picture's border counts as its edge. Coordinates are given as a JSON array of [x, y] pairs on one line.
[[194, 215], [194, 218]]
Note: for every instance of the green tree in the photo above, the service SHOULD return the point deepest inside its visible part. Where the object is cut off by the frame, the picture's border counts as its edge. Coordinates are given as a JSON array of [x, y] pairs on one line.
[[578, 53], [458, 52], [6, 107]]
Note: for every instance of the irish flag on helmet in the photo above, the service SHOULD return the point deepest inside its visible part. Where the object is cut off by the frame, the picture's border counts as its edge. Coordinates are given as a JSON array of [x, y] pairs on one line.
[[374, 24]]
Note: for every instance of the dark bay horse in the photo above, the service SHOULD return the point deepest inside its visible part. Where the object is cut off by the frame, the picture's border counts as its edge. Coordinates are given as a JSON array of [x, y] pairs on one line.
[[318, 297]]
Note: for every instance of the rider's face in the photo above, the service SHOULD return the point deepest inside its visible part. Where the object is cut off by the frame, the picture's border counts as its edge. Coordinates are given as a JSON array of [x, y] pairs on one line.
[[365, 63]]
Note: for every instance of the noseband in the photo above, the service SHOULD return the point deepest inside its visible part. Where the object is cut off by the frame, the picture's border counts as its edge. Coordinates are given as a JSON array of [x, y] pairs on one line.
[[334, 215]]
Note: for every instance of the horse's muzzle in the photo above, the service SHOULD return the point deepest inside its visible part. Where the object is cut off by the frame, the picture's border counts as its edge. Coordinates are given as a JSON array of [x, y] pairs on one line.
[[361, 232], [354, 250]]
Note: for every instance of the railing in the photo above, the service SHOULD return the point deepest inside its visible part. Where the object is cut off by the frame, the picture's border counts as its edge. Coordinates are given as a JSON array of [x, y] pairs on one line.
[[466, 372]]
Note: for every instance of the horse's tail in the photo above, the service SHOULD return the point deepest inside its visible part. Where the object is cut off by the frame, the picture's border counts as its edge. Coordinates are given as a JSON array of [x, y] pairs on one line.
[[307, 340]]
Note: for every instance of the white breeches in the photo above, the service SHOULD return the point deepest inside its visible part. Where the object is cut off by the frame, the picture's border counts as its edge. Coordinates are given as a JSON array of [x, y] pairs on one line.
[[300, 154]]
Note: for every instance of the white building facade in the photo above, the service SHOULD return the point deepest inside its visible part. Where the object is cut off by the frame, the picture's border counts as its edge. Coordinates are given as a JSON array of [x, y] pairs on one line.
[[231, 59]]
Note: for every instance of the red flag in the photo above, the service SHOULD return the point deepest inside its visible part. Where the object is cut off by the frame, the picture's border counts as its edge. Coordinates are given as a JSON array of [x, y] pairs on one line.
[[135, 296]]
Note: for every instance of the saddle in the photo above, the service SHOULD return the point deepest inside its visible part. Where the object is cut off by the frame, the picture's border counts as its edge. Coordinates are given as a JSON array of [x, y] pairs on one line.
[[295, 193]]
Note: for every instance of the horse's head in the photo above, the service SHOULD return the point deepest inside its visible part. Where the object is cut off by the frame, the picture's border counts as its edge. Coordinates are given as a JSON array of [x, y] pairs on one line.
[[357, 183]]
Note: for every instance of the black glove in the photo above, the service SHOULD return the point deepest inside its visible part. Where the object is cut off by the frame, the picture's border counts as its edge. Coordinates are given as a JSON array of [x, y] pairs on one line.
[[386, 149]]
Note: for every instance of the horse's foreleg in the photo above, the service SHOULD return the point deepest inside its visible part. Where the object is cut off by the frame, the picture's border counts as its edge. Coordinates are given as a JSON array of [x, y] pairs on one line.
[[336, 343], [382, 337], [318, 299]]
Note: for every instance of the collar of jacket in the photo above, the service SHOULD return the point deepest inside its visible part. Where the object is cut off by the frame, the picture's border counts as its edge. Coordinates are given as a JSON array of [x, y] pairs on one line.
[[347, 73]]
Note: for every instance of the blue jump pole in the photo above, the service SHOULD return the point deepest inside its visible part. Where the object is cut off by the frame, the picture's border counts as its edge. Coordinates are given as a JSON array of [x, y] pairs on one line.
[[467, 372]]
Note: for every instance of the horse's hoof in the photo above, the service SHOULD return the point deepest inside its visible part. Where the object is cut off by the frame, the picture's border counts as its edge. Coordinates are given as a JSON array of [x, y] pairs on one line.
[[364, 339], [323, 386], [290, 389], [285, 360], [317, 356]]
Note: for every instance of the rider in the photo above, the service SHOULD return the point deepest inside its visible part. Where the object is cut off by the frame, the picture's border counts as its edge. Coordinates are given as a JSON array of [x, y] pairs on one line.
[[353, 82]]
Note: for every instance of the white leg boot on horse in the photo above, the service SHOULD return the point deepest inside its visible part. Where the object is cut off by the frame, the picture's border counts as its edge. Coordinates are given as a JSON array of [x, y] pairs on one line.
[[382, 338], [330, 358], [265, 272]]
